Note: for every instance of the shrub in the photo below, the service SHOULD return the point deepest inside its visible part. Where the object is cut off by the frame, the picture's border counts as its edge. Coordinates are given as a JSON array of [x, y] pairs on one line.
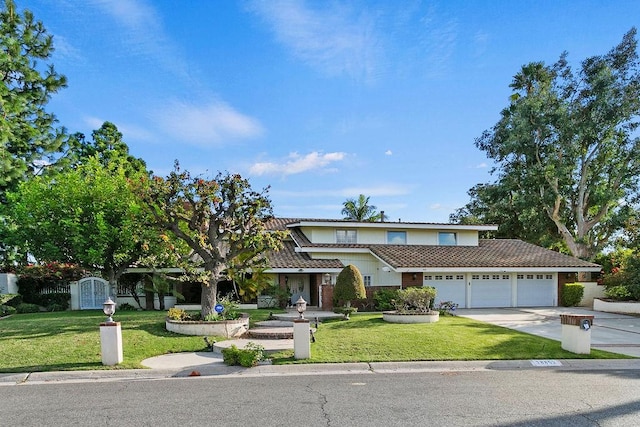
[[384, 299], [619, 293], [12, 300], [28, 308], [415, 299], [248, 357], [6, 310], [447, 307], [572, 294], [125, 306], [349, 286], [55, 307], [61, 299]]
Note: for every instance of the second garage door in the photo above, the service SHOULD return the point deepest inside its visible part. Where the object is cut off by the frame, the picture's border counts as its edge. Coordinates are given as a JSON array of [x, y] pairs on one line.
[[490, 290]]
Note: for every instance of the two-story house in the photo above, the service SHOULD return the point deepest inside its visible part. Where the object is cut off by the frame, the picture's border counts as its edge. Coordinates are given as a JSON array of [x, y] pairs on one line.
[[464, 268]]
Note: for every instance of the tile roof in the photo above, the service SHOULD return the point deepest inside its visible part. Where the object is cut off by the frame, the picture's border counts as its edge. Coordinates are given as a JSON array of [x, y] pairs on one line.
[[499, 253], [287, 257]]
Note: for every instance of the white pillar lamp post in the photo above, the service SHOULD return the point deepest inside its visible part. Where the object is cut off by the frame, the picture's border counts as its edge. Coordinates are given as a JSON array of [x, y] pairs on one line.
[[301, 332], [110, 336]]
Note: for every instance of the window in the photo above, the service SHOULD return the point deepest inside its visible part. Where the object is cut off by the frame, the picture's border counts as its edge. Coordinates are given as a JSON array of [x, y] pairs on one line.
[[549, 276], [346, 236], [428, 277], [460, 277], [447, 239], [475, 277], [496, 277], [521, 276], [367, 280], [539, 276], [397, 237], [485, 277], [449, 277], [530, 276], [438, 277], [505, 277]]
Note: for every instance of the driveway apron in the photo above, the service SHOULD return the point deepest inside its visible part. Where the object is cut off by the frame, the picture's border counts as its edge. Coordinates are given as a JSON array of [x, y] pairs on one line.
[[617, 333]]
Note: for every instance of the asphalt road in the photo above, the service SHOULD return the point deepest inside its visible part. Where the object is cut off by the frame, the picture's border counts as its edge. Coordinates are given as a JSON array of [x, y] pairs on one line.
[[530, 397]]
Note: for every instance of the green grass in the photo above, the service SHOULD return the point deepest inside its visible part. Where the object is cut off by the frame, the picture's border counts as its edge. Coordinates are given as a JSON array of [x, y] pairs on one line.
[[367, 338], [71, 341]]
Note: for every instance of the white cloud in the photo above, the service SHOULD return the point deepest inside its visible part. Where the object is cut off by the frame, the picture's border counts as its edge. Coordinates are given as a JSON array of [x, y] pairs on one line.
[[333, 38], [211, 124], [388, 153], [375, 191], [482, 165], [143, 33], [295, 164]]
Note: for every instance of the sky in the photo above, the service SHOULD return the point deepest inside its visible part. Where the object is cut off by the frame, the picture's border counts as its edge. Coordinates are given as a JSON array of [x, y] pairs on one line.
[[318, 100]]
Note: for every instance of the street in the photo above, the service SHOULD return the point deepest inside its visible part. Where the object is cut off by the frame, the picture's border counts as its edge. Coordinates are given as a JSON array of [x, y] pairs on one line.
[[529, 397]]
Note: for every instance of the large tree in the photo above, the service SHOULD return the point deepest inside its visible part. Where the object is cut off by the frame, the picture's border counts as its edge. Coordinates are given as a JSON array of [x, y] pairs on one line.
[[566, 151], [222, 220], [88, 216], [360, 210], [28, 137]]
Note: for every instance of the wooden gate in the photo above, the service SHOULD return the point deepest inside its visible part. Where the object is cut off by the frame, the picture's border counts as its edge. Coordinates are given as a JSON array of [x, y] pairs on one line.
[[93, 292]]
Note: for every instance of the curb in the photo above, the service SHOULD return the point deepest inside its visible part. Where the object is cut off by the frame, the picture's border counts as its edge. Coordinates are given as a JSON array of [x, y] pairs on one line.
[[372, 368]]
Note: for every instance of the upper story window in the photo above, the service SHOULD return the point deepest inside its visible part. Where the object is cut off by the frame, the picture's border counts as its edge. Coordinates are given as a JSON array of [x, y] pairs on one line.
[[397, 237], [346, 236], [447, 239]]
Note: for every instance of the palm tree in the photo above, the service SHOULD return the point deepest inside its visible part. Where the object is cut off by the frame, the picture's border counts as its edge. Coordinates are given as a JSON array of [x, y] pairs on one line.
[[360, 210]]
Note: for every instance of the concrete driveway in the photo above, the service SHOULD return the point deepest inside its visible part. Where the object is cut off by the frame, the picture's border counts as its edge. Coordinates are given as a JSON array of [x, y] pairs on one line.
[[617, 333]]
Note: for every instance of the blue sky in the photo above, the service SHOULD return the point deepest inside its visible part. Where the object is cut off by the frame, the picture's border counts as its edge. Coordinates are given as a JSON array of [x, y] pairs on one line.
[[320, 100]]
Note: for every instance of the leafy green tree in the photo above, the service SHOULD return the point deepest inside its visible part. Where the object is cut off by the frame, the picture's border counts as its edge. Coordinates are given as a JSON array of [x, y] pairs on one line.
[[349, 286], [89, 216], [28, 138], [106, 145], [360, 210], [566, 151], [222, 220]]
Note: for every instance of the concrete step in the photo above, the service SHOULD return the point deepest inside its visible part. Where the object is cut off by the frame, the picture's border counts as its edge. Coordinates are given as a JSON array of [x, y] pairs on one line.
[[277, 333], [275, 324]]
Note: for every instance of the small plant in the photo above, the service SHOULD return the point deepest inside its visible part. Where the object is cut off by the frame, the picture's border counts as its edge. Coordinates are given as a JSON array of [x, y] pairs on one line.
[[248, 357], [177, 314], [447, 307], [347, 311], [6, 310], [415, 299], [12, 300], [125, 306], [28, 308], [572, 294], [230, 309], [56, 307]]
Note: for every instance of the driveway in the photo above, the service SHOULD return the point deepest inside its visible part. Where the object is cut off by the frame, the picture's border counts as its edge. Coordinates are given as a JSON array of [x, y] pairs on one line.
[[617, 333]]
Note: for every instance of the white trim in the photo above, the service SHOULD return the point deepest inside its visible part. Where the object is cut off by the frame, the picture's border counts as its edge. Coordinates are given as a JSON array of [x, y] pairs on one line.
[[497, 269], [404, 225]]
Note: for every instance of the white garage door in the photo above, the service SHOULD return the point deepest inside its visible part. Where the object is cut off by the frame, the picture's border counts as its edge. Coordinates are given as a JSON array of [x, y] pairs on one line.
[[490, 290], [536, 290], [450, 287]]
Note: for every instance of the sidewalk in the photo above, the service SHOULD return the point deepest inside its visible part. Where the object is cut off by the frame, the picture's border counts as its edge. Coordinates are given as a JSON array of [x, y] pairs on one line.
[[196, 365]]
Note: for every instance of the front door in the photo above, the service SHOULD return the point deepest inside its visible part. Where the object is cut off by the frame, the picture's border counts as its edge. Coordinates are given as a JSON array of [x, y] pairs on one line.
[[93, 292]]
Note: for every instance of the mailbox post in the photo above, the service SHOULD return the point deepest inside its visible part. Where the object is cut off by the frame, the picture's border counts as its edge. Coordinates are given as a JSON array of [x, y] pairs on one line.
[[576, 333]]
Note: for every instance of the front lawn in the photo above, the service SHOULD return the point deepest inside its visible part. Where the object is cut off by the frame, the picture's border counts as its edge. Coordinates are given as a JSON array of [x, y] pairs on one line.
[[71, 341], [367, 338]]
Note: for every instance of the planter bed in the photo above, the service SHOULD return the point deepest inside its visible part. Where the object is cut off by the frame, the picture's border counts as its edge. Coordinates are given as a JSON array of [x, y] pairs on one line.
[[628, 307], [395, 317], [223, 328]]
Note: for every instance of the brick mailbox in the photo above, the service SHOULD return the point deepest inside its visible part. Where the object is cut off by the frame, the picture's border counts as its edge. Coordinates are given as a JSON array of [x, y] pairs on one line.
[[576, 333]]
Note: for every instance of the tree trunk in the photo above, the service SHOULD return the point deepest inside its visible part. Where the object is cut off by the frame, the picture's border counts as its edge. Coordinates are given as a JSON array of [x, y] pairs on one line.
[[209, 294]]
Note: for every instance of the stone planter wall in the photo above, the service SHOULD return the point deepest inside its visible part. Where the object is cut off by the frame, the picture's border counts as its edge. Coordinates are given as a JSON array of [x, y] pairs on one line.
[[395, 317], [224, 328], [616, 306]]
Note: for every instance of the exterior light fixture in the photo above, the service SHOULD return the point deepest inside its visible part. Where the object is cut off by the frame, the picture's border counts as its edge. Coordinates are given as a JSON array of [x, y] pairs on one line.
[[301, 306], [327, 279], [415, 276], [109, 308]]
